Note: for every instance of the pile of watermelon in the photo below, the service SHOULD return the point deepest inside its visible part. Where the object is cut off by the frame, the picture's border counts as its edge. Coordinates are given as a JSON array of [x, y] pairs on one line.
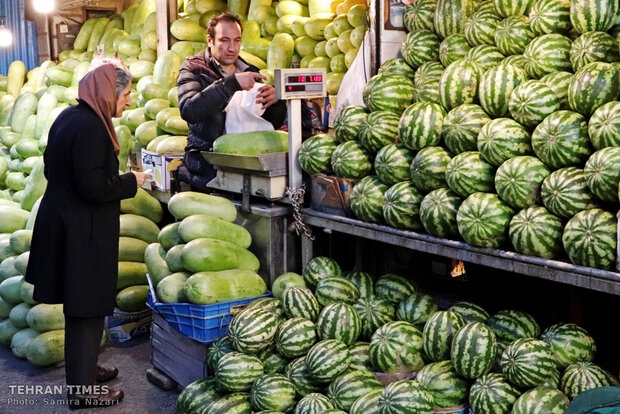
[[317, 348], [499, 125]]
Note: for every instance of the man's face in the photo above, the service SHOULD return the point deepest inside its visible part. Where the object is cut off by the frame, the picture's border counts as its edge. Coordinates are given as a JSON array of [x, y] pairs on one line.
[[226, 44]]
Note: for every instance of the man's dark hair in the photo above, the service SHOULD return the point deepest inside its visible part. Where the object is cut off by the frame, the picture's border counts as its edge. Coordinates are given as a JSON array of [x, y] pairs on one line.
[[225, 16]]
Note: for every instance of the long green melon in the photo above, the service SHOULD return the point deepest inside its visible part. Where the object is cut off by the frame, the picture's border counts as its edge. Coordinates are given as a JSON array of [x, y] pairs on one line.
[[206, 288], [252, 143], [211, 255], [204, 226], [188, 203]]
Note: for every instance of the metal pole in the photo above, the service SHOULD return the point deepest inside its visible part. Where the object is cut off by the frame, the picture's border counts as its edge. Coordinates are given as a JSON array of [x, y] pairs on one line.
[[294, 142]]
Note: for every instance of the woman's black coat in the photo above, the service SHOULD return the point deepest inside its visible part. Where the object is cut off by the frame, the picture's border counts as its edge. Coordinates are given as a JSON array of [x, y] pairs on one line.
[[74, 250]]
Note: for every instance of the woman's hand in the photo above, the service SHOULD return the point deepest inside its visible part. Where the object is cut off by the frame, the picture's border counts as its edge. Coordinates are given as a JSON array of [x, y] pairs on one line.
[[140, 177]]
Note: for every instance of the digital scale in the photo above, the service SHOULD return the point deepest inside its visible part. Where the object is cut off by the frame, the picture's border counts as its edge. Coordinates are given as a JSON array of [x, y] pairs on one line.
[[268, 175]]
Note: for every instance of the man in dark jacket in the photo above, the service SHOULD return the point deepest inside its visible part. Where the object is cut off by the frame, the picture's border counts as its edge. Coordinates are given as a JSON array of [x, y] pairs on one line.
[[207, 82]]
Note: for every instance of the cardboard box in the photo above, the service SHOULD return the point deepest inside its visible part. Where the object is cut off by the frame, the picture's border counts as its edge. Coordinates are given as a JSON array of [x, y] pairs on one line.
[[331, 195], [122, 326], [161, 165]]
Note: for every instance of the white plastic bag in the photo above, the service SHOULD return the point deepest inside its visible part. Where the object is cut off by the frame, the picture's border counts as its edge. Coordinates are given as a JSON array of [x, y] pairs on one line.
[[352, 85], [243, 114]]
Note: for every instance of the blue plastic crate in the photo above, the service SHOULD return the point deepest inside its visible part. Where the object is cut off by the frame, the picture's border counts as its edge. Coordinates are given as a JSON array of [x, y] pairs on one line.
[[203, 323]]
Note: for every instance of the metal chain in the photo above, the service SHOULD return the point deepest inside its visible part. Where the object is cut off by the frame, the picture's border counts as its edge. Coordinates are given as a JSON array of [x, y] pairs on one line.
[[296, 195]]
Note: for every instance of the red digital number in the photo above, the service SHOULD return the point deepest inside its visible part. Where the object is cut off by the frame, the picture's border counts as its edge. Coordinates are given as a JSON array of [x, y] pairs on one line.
[[301, 79]]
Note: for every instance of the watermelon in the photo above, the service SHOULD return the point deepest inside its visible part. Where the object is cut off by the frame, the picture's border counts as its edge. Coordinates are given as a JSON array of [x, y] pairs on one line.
[[583, 376], [535, 231], [217, 350], [592, 86], [501, 139], [518, 181], [604, 126], [446, 386], [313, 403], [570, 343], [515, 60], [468, 173], [439, 331], [483, 220], [541, 400], [374, 312], [565, 192], [273, 362], [237, 403], [461, 127], [336, 289], [593, 47], [546, 54], [396, 347], [197, 395], [459, 83], [327, 359], [420, 47], [281, 282], [485, 56], [319, 268], [388, 92], [510, 325], [392, 163], [367, 199], [315, 154], [531, 102], [513, 34], [363, 281], [561, 140], [420, 125], [598, 249], [406, 397], [368, 403], [420, 15], [236, 372], [378, 130], [350, 160], [273, 305], [480, 27], [416, 309], [451, 15], [453, 48], [473, 350], [470, 312], [295, 337], [527, 362], [252, 329], [492, 394], [398, 66], [428, 169], [602, 173], [350, 386], [272, 392], [427, 91], [360, 358], [428, 71], [513, 7], [550, 16], [297, 372], [587, 16], [558, 82], [339, 321], [401, 206], [438, 212], [496, 87], [300, 302], [394, 287], [348, 122]]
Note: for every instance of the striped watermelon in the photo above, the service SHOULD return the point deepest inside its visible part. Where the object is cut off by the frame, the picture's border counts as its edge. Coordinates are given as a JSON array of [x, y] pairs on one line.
[[299, 302], [602, 171], [470, 312], [598, 249], [420, 125], [589, 16], [593, 47], [297, 372], [416, 309], [480, 28], [510, 325], [339, 321], [401, 206], [451, 15], [496, 86], [513, 34], [196, 396], [483, 220], [271, 304], [461, 128], [363, 281], [336, 289], [350, 160], [501, 139], [327, 359], [561, 140], [237, 403], [348, 122], [566, 193], [467, 173], [406, 397], [485, 56], [515, 60], [583, 376], [518, 181], [553, 380], [486, 5], [397, 66], [394, 287], [252, 329], [313, 403], [558, 82], [473, 350], [350, 386], [388, 92], [531, 102], [374, 312], [541, 400], [570, 343], [459, 83], [396, 347], [527, 362], [513, 7], [295, 337], [492, 394], [333, 411], [367, 199], [236, 372], [428, 169], [439, 331], [315, 154], [392, 163], [447, 388], [534, 231], [319, 268], [546, 54], [420, 15], [592, 86], [604, 126], [453, 48], [378, 130], [217, 350], [427, 91], [360, 356], [438, 213], [428, 71], [272, 392], [273, 362], [550, 16], [367, 404], [420, 47]]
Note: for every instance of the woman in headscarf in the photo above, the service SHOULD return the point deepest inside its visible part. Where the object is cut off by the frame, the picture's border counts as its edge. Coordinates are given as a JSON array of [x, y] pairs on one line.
[[74, 251]]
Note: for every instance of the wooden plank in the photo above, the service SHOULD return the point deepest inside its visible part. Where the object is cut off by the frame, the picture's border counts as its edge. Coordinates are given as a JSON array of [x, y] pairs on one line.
[[166, 13]]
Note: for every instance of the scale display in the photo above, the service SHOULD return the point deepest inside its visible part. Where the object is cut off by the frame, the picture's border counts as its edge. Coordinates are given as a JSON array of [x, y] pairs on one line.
[[299, 83]]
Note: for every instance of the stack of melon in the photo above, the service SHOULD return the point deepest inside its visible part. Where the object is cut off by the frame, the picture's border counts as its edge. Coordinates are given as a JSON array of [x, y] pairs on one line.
[[499, 125], [317, 349]]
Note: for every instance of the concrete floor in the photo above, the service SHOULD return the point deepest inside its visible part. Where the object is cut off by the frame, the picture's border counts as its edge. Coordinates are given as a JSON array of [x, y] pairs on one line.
[[132, 359]]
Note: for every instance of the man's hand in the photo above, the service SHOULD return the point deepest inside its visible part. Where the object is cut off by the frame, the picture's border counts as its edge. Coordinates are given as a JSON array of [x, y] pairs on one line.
[[248, 79], [266, 96]]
